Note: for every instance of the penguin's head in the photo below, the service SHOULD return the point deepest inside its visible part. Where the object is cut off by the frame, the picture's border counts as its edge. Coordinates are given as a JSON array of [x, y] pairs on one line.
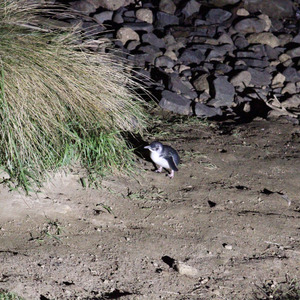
[[155, 147]]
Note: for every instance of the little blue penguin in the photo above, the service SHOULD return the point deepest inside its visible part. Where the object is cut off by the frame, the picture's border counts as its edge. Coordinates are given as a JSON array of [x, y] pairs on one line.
[[164, 156]]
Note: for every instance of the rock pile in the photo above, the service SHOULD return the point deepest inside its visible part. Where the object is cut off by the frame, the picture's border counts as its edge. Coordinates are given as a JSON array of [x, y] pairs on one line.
[[208, 58]]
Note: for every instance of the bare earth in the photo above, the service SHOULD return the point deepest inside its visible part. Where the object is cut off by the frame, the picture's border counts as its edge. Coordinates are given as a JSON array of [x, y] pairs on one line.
[[229, 220]]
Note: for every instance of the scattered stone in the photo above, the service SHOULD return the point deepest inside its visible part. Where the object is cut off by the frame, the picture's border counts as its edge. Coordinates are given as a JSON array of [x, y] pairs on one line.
[[201, 83], [291, 74], [292, 102], [164, 19], [242, 12], [259, 78], [184, 269], [294, 52], [290, 88], [152, 39], [191, 7], [110, 5], [178, 86]]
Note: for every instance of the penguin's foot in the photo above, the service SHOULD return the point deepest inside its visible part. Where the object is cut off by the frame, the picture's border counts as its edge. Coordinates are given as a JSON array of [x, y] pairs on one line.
[[159, 170], [171, 175]]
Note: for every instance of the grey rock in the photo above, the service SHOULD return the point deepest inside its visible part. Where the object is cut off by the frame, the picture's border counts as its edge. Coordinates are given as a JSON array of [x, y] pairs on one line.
[[219, 51], [256, 63], [167, 6], [177, 85], [278, 80], [295, 52], [242, 79], [126, 34], [152, 39], [175, 103], [132, 45], [250, 25], [296, 39], [145, 15], [190, 57], [277, 9], [103, 16], [292, 102], [222, 68], [290, 88], [224, 92], [164, 61], [249, 54], [109, 4], [272, 53], [83, 7], [259, 78], [191, 7], [204, 111], [291, 74], [164, 19], [221, 3], [139, 26], [240, 41], [266, 38], [217, 15]]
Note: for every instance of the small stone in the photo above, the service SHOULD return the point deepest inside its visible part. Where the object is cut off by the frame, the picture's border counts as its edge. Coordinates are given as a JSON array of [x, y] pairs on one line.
[[278, 80], [163, 19], [242, 12], [217, 15], [290, 88], [167, 6], [292, 102], [145, 14], [164, 61], [294, 52], [126, 34], [103, 16], [285, 60], [265, 38], [267, 20], [152, 39], [250, 25], [242, 79], [184, 269], [291, 74], [191, 7], [259, 78], [201, 83], [111, 5]]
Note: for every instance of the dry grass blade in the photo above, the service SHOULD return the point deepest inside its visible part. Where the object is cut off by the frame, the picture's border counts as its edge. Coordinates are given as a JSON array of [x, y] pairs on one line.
[[57, 98]]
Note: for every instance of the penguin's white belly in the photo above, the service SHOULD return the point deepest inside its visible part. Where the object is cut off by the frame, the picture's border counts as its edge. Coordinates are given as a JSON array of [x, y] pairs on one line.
[[159, 160]]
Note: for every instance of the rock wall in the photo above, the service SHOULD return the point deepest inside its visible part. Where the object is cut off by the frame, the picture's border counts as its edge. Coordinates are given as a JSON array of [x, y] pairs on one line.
[[207, 58]]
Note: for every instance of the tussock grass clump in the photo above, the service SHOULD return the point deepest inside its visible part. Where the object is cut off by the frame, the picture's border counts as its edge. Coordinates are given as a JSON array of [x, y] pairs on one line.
[[60, 102]]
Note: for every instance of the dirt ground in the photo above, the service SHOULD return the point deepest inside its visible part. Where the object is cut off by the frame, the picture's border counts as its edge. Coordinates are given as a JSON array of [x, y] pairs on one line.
[[228, 221]]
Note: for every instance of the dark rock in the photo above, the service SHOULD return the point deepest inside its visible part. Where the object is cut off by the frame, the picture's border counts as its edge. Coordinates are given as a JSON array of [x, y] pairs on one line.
[[221, 3], [250, 25], [177, 85], [132, 45], [277, 9], [176, 103], [240, 41], [152, 39], [248, 54], [259, 78], [296, 39], [272, 53], [204, 111], [256, 63], [224, 92], [167, 6], [164, 19], [291, 74], [139, 26], [200, 83], [222, 68], [83, 6], [164, 61], [190, 57], [191, 7], [219, 51], [103, 16], [295, 52], [217, 15]]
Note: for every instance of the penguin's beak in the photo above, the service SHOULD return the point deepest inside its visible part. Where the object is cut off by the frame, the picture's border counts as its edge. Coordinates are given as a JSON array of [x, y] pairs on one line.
[[147, 147]]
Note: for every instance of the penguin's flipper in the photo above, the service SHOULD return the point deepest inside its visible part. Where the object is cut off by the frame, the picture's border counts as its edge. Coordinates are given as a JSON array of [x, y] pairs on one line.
[[171, 163]]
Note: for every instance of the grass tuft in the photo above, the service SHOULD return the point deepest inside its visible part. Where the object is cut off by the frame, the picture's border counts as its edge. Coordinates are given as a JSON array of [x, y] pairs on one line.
[[60, 102]]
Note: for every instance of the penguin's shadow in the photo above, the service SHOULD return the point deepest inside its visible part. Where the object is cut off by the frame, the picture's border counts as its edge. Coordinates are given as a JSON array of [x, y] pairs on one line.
[[138, 145]]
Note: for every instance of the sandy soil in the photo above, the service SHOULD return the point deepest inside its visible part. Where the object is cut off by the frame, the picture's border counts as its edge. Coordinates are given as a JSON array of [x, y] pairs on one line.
[[228, 221]]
